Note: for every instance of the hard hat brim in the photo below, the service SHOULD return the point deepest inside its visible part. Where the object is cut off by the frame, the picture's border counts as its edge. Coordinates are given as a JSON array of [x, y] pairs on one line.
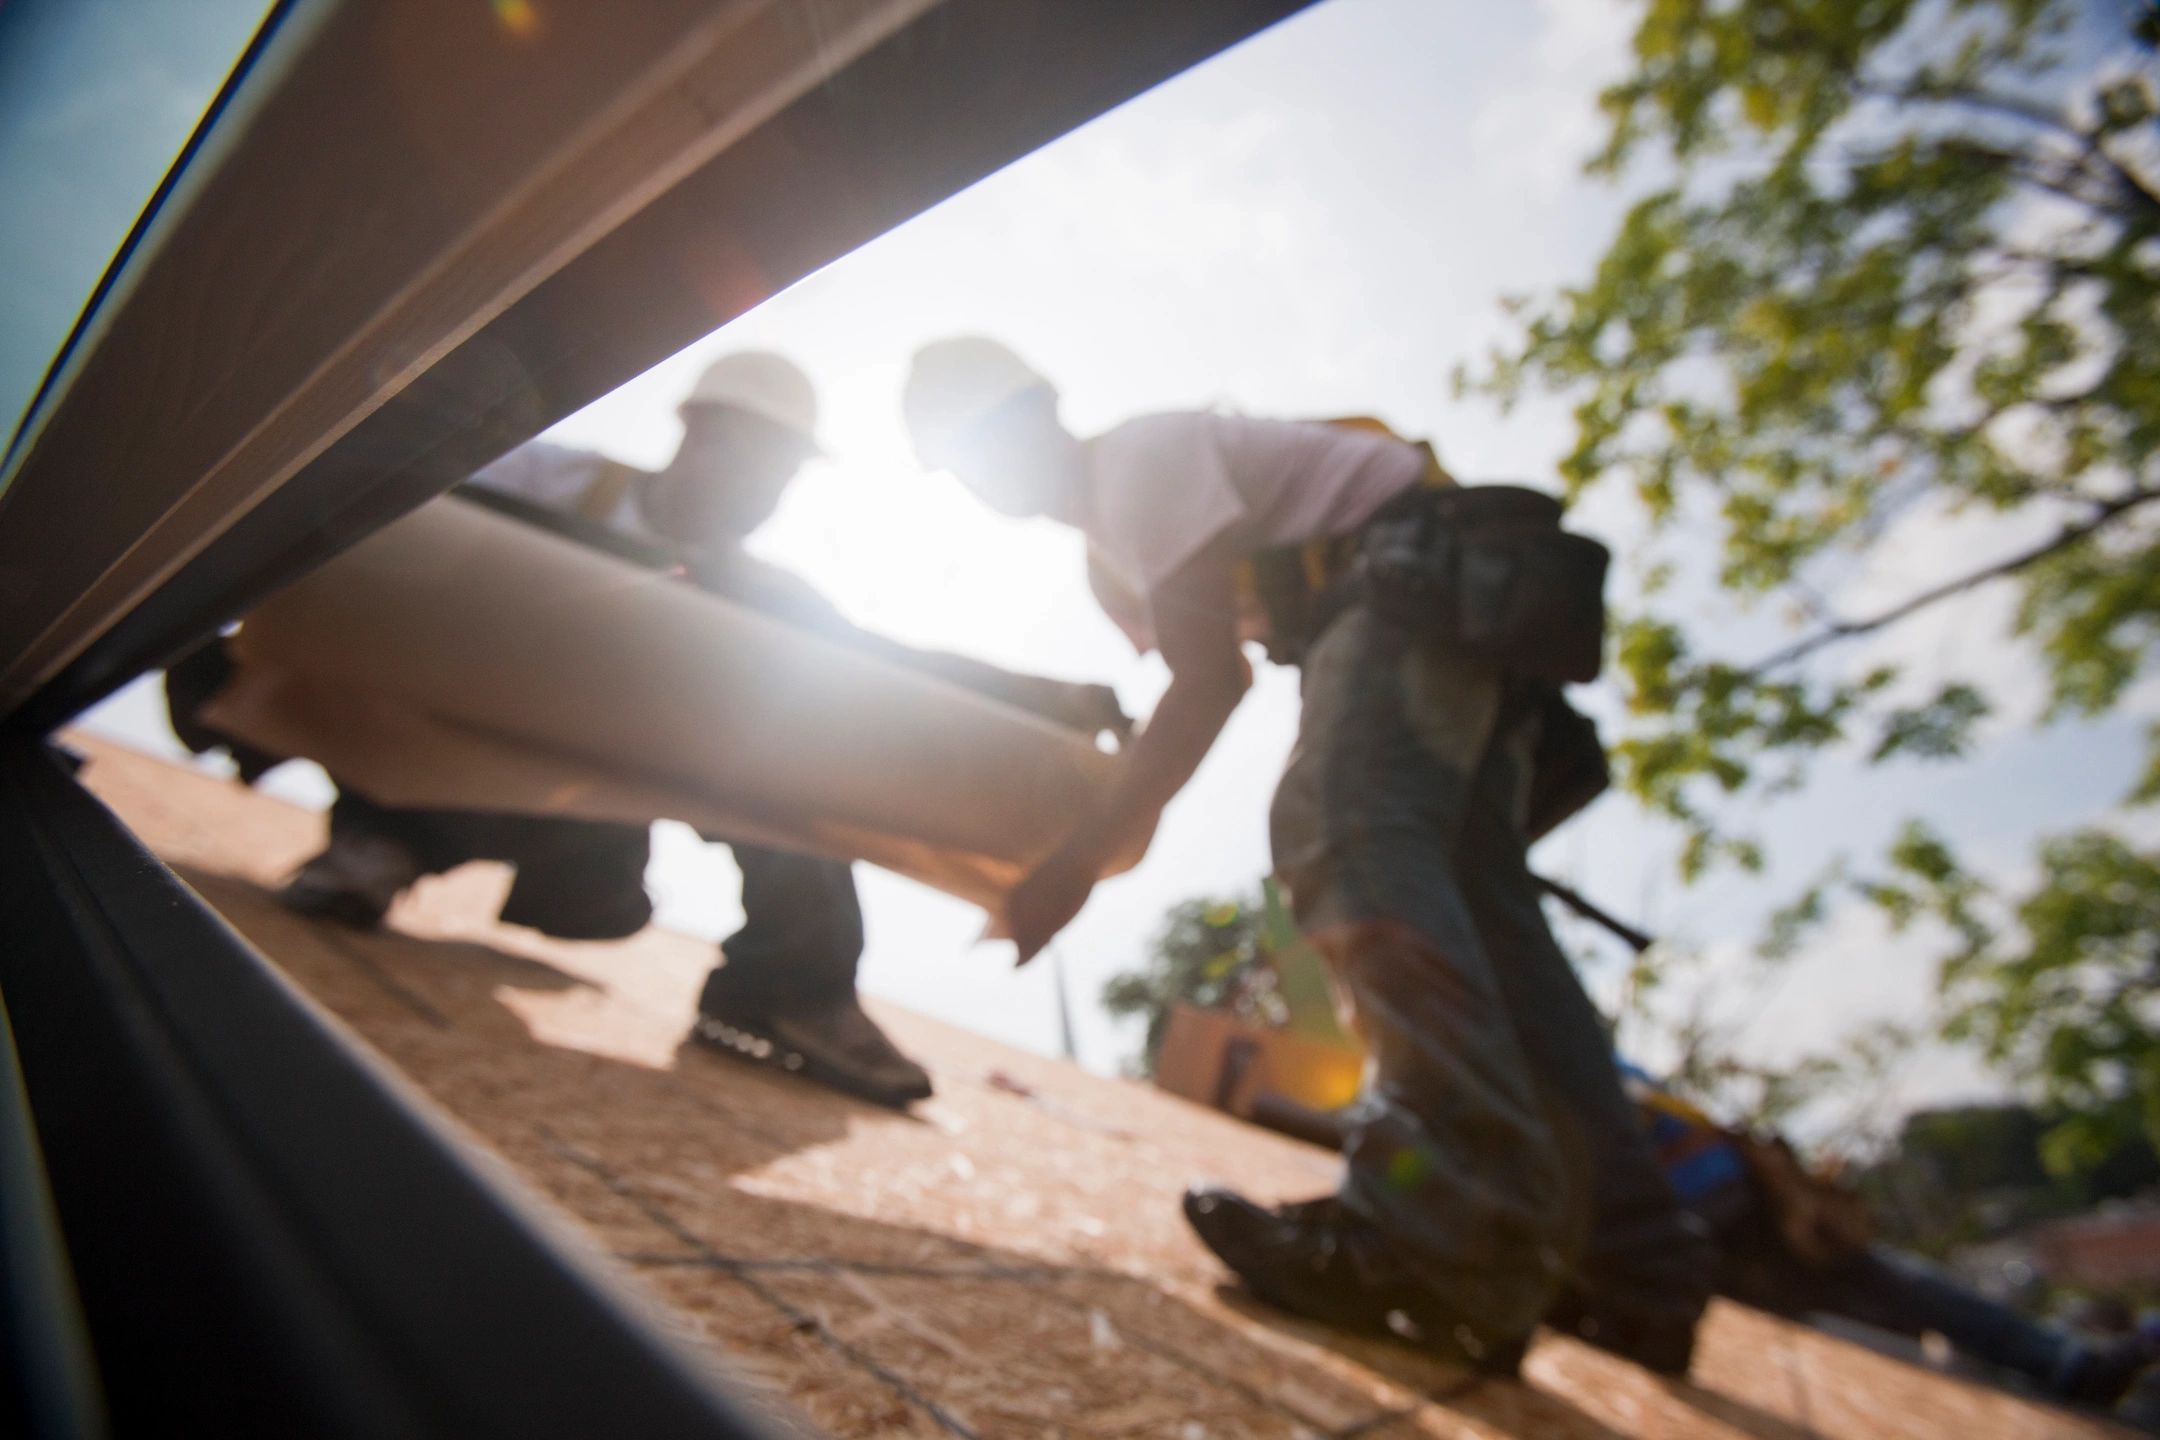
[[817, 447]]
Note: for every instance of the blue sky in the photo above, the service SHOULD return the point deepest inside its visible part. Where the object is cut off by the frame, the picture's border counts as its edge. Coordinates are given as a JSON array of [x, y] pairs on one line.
[[96, 99], [1321, 221]]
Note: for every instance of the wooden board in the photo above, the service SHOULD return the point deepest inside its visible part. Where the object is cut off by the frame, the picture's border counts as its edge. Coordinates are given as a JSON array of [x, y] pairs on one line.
[[461, 659], [1007, 1262]]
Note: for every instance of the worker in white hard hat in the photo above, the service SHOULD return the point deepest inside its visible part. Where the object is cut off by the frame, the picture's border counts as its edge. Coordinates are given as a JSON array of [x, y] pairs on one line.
[[786, 995], [1493, 1165], [749, 425]]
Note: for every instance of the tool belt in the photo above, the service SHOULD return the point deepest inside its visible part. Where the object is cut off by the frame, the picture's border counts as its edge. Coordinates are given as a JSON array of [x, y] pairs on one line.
[[1486, 568], [1568, 768]]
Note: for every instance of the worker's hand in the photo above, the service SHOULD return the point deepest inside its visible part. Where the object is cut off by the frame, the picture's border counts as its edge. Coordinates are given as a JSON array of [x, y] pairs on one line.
[[1047, 900]]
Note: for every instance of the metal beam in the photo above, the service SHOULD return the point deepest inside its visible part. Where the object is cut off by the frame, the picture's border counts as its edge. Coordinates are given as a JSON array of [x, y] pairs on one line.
[[392, 175], [269, 1234], [48, 1380], [894, 127]]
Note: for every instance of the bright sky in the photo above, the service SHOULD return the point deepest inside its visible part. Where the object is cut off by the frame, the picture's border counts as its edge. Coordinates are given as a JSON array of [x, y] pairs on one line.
[[1322, 221], [96, 99]]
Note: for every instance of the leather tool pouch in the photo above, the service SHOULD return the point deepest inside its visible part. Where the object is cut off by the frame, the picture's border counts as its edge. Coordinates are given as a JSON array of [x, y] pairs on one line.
[[1568, 769], [1489, 568]]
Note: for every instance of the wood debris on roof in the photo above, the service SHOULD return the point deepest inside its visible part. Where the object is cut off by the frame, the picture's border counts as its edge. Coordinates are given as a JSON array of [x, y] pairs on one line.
[[1009, 1260]]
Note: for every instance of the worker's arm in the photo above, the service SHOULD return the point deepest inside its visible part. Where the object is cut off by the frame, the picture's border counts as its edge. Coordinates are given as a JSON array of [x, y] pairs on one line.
[[1195, 619]]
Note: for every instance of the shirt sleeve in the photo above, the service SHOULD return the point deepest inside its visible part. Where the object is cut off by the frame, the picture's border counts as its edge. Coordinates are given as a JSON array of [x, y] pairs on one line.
[[1163, 494]]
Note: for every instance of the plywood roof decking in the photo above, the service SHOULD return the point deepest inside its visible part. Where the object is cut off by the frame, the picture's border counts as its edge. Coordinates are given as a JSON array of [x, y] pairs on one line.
[[1009, 1261]]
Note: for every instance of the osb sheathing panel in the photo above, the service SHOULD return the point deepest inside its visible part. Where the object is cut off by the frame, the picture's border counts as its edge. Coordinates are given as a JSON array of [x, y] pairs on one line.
[[1007, 1261]]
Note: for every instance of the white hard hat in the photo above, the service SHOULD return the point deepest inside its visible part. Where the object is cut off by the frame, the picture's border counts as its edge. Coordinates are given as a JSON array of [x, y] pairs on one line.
[[762, 383], [955, 384]]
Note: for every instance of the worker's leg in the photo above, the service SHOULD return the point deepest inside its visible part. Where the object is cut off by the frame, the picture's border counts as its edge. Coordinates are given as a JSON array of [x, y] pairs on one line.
[[576, 879], [1757, 1267], [190, 683], [437, 840], [784, 994], [1645, 1268], [374, 852], [1449, 1152], [1906, 1296], [801, 936]]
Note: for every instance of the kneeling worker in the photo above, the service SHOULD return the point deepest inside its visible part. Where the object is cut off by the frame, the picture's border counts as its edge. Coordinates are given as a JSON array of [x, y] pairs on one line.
[[1494, 1165], [786, 992]]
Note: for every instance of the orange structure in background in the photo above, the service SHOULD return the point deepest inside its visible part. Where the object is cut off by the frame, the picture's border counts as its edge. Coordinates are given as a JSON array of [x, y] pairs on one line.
[[1217, 1059]]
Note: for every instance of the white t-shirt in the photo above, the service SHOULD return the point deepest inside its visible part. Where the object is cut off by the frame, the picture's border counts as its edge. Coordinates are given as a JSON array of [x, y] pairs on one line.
[[559, 478], [1162, 487]]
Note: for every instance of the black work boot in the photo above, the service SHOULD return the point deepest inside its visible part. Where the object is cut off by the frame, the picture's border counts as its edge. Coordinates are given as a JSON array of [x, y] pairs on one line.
[[353, 881], [2099, 1372], [1321, 1260], [1648, 1297], [835, 1044], [567, 909], [1658, 1338]]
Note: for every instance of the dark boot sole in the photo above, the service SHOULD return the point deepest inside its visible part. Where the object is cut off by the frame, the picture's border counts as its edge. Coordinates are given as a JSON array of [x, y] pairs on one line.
[[1670, 1353], [748, 1046], [1371, 1320], [1499, 1362], [1662, 1345]]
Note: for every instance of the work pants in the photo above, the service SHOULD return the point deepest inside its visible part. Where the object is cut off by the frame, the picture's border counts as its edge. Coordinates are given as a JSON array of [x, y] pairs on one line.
[[1893, 1291], [801, 937], [1492, 1144]]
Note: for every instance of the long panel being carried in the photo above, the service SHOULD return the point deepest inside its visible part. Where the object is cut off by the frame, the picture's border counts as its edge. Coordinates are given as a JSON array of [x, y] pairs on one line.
[[461, 659]]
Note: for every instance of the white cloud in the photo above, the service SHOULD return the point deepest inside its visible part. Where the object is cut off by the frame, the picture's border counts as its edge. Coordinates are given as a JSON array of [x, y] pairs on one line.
[[1538, 125]]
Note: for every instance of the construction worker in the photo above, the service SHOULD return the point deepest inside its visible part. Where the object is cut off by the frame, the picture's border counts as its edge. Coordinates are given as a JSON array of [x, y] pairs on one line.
[[1493, 1161], [785, 995], [1797, 1242]]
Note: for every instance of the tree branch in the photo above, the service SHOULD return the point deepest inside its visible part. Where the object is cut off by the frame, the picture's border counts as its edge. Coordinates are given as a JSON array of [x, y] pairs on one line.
[[1989, 102], [2055, 265], [2025, 170], [2104, 515], [2090, 142], [2054, 404]]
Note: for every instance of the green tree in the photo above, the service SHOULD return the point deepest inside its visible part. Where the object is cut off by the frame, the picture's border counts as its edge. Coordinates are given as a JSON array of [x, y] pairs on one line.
[[1963, 1174], [1972, 1172], [1210, 953], [2061, 988], [1898, 258]]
